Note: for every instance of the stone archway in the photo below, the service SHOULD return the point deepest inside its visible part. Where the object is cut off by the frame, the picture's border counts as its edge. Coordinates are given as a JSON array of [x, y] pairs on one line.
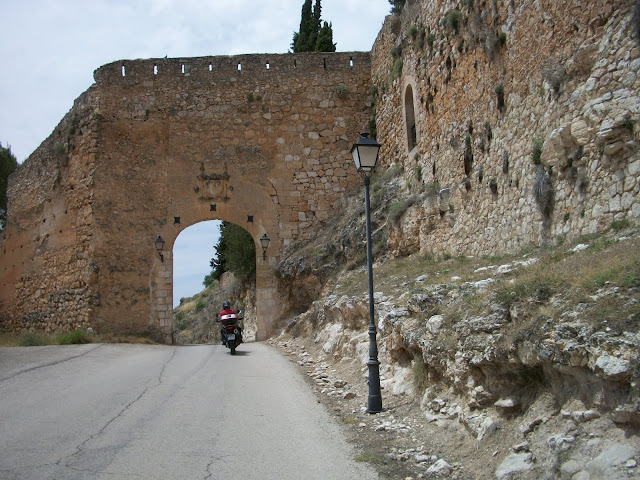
[[161, 278], [156, 145]]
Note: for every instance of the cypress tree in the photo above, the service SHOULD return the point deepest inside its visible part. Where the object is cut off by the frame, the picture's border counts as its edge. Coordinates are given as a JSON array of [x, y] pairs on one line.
[[325, 39], [314, 28], [314, 36], [302, 37], [235, 252], [397, 6]]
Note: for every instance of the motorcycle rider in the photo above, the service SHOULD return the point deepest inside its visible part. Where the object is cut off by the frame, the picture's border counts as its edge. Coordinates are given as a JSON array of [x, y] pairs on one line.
[[226, 310]]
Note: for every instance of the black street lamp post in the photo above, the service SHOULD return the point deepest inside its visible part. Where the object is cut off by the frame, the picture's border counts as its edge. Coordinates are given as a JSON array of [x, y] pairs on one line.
[[365, 156]]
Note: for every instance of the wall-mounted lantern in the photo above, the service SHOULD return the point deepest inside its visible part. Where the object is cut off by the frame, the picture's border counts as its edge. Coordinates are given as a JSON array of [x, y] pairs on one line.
[[264, 243], [159, 247]]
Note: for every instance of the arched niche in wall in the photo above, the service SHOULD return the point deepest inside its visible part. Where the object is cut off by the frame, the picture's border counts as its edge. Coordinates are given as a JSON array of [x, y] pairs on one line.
[[410, 114]]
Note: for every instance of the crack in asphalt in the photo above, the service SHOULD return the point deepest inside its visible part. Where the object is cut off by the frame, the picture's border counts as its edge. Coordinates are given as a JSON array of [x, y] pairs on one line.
[[80, 447], [164, 367], [57, 362], [100, 472], [211, 462]]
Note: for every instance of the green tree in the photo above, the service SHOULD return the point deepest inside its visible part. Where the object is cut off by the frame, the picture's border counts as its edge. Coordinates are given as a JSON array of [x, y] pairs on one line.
[[314, 27], [301, 42], [235, 252], [217, 263], [397, 6], [325, 39], [8, 164], [313, 36], [208, 279]]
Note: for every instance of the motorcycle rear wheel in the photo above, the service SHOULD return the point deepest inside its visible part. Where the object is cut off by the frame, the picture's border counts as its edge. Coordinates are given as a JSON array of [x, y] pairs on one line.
[[232, 346]]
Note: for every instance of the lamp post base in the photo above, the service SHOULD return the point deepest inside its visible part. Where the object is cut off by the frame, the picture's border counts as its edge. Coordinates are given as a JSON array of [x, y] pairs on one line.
[[375, 398]]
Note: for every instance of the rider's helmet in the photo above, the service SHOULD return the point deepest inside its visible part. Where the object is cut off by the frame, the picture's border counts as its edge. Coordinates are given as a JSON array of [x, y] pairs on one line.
[[226, 305]]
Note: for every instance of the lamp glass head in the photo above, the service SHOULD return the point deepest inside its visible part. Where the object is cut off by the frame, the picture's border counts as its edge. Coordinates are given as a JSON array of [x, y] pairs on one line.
[[159, 243], [264, 241], [365, 153]]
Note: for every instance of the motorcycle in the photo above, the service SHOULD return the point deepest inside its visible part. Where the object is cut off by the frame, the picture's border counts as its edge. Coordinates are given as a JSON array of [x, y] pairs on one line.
[[231, 331]]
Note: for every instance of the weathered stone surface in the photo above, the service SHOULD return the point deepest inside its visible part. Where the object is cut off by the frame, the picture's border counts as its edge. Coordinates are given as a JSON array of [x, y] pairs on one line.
[[569, 469], [513, 464], [440, 468], [605, 465], [580, 99], [612, 366], [434, 323]]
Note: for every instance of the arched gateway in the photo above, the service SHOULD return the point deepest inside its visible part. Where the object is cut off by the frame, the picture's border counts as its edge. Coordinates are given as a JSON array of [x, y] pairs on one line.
[[155, 146]]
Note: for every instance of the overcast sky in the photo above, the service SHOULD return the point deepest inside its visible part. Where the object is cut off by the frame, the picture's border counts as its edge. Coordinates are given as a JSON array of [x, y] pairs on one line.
[[50, 48]]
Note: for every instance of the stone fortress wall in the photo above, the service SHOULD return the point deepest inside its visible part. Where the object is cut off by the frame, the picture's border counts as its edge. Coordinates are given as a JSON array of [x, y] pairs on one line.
[[527, 120], [46, 270], [157, 145]]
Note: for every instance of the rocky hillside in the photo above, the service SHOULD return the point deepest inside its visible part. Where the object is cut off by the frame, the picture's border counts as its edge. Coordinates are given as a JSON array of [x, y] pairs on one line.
[[522, 366]]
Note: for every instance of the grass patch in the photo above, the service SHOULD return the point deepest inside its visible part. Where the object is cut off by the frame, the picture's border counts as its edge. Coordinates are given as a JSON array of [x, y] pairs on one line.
[[359, 259], [180, 321], [451, 20], [342, 91], [199, 306], [430, 38], [603, 278], [420, 373], [7, 340], [350, 420], [617, 266], [615, 314], [398, 208], [631, 277], [536, 151], [75, 337], [34, 339], [31, 339], [537, 287], [396, 71], [620, 225], [367, 457], [559, 281]]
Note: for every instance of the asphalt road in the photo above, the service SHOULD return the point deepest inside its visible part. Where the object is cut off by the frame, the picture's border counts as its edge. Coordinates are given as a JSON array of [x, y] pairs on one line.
[[160, 412]]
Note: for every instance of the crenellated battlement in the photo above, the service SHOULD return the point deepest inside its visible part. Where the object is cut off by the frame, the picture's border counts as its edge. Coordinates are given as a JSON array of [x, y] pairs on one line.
[[235, 67]]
